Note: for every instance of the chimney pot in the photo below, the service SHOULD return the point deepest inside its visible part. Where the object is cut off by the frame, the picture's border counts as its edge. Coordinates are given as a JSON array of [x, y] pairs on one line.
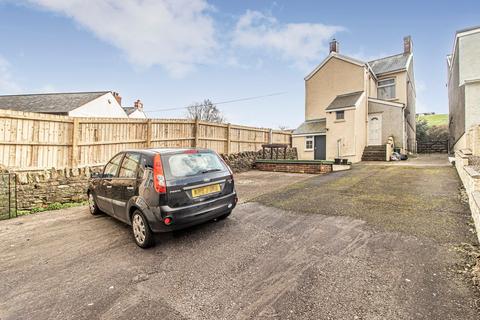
[[334, 46], [407, 44], [138, 105], [117, 97]]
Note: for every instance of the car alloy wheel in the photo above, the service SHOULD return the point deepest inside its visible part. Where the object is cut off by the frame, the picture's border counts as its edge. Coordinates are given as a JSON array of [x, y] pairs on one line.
[[139, 229], [91, 203]]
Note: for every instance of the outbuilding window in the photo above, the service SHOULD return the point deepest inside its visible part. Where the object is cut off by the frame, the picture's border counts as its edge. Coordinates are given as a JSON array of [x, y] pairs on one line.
[[386, 89], [340, 115], [309, 143]]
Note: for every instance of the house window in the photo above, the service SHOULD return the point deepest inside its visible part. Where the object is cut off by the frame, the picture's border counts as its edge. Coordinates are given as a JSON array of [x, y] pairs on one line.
[[309, 143], [340, 115], [386, 89]]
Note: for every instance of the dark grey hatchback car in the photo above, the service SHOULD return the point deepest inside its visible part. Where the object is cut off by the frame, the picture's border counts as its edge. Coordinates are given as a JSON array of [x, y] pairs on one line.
[[160, 190]]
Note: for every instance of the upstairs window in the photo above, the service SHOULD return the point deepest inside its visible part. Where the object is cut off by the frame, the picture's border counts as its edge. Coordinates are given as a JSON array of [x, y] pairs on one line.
[[309, 143], [340, 115], [386, 89]]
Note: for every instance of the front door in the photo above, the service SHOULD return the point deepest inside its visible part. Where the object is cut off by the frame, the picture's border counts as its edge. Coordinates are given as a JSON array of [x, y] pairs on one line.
[[374, 129], [320, 148]]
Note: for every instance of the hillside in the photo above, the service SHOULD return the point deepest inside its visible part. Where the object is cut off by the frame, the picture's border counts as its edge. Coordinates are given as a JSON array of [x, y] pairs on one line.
[[435, 119]]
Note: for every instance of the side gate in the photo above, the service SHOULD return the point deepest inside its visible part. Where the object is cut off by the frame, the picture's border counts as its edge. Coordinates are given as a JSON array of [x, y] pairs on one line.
[[8, 195]]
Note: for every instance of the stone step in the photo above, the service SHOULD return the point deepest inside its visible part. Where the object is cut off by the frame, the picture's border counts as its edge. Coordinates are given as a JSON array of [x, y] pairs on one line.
[[383, 147], [374, 152]]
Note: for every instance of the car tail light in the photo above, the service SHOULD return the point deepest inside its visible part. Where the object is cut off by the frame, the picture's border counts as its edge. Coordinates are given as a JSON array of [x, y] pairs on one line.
[[158, 176], [190, 151]]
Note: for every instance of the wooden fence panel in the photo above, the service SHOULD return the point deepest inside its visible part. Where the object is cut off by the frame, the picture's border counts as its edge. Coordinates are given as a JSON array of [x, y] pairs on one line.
[[39, 141]]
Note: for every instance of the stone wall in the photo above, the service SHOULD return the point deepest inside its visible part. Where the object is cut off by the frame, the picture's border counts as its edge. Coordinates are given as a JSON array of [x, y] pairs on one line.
[[244, 161], [41, 188], [294, 166], [468, 169]]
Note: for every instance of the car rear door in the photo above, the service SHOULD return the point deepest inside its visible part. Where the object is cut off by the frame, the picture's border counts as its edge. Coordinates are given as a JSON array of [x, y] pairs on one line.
[[125, 186], [195, 176], [104, 195]]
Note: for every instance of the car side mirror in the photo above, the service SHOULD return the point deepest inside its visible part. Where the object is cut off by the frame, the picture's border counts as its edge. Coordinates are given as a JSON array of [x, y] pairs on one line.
[[96, 175]]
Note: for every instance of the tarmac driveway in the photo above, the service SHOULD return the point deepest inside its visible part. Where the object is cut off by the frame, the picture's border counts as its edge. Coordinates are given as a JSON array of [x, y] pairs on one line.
[[299, 252]]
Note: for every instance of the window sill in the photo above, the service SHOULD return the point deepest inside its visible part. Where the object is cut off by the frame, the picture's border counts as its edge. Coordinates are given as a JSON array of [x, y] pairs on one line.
[[308, 150], [337, 121]]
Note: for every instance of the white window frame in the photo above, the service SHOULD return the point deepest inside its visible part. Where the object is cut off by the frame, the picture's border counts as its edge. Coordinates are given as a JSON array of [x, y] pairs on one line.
[[342, 112], [309, 139], [394, 84]]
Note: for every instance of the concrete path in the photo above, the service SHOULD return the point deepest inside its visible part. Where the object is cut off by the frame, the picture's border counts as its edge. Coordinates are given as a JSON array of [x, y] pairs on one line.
[[420, 160], [370, 243]]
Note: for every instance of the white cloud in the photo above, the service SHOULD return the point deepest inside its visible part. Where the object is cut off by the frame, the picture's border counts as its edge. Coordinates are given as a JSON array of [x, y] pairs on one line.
[[300, 43], [175, 34], [7, 82]]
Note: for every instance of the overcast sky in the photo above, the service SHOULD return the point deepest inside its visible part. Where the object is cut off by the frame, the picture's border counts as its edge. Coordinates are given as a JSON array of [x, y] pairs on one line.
[[170, 53]]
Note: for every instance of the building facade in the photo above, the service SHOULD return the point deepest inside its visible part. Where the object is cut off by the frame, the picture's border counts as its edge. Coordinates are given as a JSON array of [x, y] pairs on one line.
[[351, 105], [463, 66]]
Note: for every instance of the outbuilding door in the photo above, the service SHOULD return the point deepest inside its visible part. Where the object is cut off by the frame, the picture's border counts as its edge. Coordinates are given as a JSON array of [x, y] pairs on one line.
[[320, 148], [374, 129]]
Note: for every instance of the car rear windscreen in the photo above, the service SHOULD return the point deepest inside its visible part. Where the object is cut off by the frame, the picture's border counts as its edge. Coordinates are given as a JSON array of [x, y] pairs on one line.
[[191, 164]]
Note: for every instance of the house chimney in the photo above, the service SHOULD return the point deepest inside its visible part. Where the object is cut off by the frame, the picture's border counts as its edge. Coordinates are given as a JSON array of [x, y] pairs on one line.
[[138, 105], [334, 46], [407, 45], [117, 97]]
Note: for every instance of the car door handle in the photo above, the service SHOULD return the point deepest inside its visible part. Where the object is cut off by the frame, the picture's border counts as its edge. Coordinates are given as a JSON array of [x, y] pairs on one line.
[[129, 188], [109, 187]]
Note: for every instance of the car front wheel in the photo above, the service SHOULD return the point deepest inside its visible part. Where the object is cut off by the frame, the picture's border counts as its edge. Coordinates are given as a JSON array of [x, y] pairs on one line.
[[92, 205], [141, 231]]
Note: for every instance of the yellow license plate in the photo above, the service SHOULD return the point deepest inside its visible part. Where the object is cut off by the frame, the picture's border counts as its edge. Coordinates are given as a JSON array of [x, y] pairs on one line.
[[198, 192]]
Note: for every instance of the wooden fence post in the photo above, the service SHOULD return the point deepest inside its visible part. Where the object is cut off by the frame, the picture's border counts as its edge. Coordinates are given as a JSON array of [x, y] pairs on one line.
[[149, 133], [197, 132], [229, 139], [74, 154]]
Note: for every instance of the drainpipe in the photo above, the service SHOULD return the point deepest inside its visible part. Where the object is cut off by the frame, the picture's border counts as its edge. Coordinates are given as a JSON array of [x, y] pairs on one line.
[[403, 128], [338, 147]]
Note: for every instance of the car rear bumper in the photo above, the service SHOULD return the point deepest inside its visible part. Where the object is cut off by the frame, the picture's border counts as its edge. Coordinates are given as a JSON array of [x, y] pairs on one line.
[[191, 215]]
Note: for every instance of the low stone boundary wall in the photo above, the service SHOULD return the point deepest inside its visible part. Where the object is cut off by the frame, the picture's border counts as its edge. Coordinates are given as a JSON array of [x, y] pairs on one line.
[[41, 188], [469, 173], [294, 166], [244, 161]]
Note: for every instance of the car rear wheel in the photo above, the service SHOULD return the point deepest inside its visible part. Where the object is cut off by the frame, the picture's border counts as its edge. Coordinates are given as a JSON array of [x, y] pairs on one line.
[[92, 205], [141, 231]]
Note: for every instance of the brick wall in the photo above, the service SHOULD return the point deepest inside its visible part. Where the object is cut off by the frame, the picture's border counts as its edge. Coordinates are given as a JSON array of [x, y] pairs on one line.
[[299, 167]]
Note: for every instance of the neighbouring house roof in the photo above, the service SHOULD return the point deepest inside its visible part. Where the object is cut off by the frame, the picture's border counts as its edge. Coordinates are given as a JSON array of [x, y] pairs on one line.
[[60, 103], [390, 64], [311, 127], [129, 110], [344, 101]]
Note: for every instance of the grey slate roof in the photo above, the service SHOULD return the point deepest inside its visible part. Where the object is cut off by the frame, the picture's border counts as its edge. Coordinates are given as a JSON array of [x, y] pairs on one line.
[[344, 101], [389, 64], [129, 110], [56, 103], [312, 126]]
